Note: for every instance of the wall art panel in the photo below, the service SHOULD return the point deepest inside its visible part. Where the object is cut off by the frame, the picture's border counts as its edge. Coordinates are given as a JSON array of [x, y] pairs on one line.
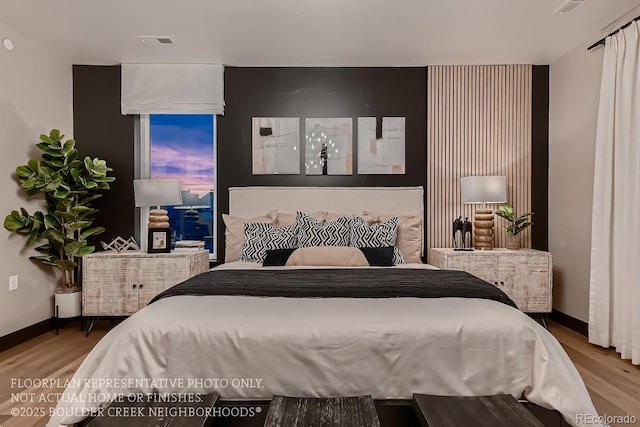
[[275, 145]]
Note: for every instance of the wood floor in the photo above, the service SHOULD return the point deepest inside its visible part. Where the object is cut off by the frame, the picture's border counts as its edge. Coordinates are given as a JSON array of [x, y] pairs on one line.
[[614, 384], [47, 356]]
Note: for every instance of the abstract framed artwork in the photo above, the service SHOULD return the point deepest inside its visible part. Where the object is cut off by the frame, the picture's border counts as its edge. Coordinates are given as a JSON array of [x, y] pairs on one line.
[[381, 145], [275, 145], [328, 146]]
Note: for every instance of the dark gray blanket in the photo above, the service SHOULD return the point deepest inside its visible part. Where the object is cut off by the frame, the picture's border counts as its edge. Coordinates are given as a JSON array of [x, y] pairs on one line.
[[348, 283]]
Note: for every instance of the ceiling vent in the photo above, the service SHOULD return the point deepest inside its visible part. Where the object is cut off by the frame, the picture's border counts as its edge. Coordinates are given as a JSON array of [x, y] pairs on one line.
[[155, 40], [568, 6]]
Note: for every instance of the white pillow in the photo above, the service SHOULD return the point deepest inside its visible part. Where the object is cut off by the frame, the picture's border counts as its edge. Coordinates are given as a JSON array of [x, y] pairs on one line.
[[234, 233], [337, 256], [286, 218]]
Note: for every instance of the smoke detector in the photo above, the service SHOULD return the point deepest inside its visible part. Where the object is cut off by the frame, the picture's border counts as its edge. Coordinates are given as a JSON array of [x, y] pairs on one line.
[[568, 6], [155, 40]]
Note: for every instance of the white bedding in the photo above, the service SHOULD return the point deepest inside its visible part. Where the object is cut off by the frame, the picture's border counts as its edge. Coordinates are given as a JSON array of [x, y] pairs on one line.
[[321, 347]]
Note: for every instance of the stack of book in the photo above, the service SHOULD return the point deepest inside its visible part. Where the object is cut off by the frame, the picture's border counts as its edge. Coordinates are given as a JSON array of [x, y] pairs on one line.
[[189, 246]]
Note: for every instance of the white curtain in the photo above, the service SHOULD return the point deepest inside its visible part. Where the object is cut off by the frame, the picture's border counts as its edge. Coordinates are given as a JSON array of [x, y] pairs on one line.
[[172, 89], [614, 307]]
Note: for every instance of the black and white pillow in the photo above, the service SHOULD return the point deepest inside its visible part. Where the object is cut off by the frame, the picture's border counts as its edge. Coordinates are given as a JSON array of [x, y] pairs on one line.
[[376, 236], [312, 232], [258, 237]]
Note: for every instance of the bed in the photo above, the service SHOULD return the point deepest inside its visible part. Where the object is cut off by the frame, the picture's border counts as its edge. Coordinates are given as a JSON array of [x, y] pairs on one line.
[[224, 332]]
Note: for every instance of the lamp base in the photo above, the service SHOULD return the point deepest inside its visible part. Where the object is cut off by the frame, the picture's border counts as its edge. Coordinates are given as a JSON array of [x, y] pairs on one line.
[[158, 218], [483, 229]]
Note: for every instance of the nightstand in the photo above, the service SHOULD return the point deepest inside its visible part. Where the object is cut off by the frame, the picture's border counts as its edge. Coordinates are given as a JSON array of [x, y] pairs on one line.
[[121, 283], [524, 275]]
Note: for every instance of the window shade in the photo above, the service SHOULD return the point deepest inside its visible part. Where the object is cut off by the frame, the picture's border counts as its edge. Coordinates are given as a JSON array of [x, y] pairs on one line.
[[172, 89]]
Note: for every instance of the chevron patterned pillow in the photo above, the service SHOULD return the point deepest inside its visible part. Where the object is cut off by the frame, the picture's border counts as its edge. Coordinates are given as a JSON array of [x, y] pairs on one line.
[[376, 236], [312, 232], [258, 237]]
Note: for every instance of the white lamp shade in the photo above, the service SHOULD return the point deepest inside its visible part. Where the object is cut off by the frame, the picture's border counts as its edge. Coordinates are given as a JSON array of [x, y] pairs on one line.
[[157, 192], [483, 189]]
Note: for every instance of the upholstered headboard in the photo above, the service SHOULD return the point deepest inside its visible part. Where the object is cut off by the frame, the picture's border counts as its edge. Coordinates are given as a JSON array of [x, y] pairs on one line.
[[250, 202]]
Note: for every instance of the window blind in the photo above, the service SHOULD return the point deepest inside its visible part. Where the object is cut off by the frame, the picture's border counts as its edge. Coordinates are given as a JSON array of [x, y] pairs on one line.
[[172, 89]]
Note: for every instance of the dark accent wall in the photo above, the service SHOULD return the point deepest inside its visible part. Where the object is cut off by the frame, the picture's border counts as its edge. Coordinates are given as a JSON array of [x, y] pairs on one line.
[[317, 92], [540, 156], [101, 131]]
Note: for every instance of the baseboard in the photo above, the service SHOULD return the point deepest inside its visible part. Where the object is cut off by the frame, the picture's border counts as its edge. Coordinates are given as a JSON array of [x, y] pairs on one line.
[[570, 322], [25, 334]]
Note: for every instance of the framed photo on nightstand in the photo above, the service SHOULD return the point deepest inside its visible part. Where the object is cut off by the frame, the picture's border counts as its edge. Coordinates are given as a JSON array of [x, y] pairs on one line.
[[159, 240]]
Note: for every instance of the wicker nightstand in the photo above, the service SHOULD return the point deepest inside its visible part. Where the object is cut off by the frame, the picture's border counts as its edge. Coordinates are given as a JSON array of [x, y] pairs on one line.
[[524, 275], [121, 283]]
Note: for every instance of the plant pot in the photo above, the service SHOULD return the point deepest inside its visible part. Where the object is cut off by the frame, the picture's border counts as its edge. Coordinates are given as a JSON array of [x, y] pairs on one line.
[[68, 304], [512, 241]]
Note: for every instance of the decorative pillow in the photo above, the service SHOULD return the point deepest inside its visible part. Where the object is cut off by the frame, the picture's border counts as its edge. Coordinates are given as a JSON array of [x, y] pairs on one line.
[[409, 236], [312, 232], [277, 257], [259, 237], [338, 256], [376, 236], [234, 234], [285, 218], [379, 257]]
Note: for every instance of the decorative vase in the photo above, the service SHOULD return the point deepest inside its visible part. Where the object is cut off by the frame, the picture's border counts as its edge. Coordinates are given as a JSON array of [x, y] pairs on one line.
[[512, 241], [68, 304]]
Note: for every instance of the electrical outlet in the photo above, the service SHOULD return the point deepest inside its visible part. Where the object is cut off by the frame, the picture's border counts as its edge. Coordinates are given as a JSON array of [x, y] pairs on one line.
[[13, 283]]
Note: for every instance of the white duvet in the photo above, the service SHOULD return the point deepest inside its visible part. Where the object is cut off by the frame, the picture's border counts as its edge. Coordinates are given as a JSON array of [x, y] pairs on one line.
[[253, 347]]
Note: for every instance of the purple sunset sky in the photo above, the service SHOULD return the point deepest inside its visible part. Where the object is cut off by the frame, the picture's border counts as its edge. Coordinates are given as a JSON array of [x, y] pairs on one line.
[[182, 147]]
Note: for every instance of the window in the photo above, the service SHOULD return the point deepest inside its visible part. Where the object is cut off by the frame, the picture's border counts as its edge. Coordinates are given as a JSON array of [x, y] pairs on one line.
[[183, 146]]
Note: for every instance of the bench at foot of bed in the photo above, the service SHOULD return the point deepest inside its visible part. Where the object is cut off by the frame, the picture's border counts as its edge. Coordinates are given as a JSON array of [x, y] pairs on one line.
[[357, 411], [491, 411], [192, 410]]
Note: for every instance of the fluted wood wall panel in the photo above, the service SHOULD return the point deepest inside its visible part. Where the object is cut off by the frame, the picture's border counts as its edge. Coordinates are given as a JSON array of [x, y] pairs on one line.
[[478, 123]]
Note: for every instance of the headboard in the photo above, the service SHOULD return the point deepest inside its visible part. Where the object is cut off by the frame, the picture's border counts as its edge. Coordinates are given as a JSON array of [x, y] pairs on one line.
[[247, 202]]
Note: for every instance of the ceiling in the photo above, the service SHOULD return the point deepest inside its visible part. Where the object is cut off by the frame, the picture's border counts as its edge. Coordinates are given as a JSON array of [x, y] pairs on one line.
[[313, 32]]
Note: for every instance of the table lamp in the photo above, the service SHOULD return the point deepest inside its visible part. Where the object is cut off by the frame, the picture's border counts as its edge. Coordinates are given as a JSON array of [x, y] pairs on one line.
[[482, 189], [157, 192]]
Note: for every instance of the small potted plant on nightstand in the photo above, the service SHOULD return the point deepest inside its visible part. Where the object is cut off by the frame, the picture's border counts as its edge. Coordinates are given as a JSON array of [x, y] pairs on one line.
[[69, 186], [517, 224]]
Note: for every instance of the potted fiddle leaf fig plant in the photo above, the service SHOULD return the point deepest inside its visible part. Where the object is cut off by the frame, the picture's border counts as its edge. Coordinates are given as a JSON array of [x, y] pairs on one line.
[[69, 185], [517, 224]]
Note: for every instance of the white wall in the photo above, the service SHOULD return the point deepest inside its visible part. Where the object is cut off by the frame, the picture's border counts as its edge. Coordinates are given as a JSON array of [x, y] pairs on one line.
[[574, 91], [35, 96]]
